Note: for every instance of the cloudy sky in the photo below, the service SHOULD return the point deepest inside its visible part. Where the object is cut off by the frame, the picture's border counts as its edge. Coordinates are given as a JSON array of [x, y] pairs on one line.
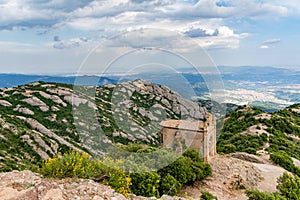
[[55, 36]]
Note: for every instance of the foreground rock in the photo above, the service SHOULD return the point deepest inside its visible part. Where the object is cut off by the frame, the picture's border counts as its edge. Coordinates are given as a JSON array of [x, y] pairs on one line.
[[27, 185]]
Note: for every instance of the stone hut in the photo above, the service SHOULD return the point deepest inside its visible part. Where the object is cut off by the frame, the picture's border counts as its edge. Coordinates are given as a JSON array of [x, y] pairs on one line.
[[198, 135]]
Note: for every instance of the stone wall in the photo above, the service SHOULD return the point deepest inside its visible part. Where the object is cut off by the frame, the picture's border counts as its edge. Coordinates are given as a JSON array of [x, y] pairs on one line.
[[182, 134]]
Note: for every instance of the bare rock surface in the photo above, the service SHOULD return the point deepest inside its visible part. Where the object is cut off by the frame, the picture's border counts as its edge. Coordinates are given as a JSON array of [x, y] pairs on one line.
[[230, 173], [247, 157], [296, 162], [42, 129], [23, 110], [26, 185], [34, 101], [54, 98], [5, 103]]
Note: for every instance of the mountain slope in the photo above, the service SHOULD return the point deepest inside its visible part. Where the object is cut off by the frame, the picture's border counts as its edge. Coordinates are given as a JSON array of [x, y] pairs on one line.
[[251, 130], [39, 120]]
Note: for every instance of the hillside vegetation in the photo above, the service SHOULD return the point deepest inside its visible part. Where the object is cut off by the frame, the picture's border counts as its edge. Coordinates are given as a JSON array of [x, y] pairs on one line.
[[248, 129], [274, 136], [40, 120]]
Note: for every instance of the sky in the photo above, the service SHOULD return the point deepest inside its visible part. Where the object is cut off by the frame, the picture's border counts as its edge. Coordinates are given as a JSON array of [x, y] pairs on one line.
[[57, 36]]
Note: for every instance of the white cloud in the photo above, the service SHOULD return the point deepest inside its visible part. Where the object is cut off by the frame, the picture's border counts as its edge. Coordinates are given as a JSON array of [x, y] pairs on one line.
[[264, 47], [48, 13], [270, 43], [66, 44], [203, 21], [220, 37], [235, 9]]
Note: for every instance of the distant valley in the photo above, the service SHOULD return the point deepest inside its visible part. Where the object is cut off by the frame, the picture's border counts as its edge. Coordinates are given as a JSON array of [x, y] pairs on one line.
[[268, 88]]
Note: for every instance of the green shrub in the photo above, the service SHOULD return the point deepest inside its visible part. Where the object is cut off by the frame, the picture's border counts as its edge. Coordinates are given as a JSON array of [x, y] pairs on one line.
[[207, 196], [193, 154], [80, 165], [73, 164], [145, 184], [289, 186], [180, 170], [257, 195], [169, 185], [113, 172], [283, 159], [186, 170]]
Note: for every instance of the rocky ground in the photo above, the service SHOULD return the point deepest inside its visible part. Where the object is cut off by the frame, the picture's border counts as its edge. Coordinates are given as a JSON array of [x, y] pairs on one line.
[[232, 174], [27, 185]]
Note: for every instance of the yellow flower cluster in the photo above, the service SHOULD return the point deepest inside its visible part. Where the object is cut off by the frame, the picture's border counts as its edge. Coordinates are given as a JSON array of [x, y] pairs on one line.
[[73, 164], [80, 165]]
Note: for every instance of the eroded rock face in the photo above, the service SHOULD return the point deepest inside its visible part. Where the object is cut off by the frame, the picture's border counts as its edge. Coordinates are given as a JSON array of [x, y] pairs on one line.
[[34, 101], [24, 110], [5, 103], [42, 129], [247, 157], [27, 185], [54, 98]]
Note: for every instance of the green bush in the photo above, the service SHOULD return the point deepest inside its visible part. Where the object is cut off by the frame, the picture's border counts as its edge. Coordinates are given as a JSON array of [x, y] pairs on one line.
[[123, 176], [145, 184], [283, 159], [289, 186], [186, 169], [257, 195], [207, 196], [193, 154], [180, 170], [169, 185], [80, 165]]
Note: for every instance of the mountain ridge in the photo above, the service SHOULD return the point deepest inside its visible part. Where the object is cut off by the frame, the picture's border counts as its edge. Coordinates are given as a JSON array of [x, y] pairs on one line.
[[39, 120]]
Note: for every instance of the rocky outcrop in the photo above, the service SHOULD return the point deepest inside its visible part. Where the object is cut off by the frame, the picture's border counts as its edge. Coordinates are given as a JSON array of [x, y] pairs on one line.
[[27, 185], [34, 101], [23, 110], [247, 157], [5, 103], [54, 98], [42, 129]]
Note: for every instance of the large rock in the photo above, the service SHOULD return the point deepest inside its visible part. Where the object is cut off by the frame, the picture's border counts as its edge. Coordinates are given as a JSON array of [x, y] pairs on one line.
[[27, 185], [54, 98], [5, 103], [23, 110], [34, 101], [247, 157]]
